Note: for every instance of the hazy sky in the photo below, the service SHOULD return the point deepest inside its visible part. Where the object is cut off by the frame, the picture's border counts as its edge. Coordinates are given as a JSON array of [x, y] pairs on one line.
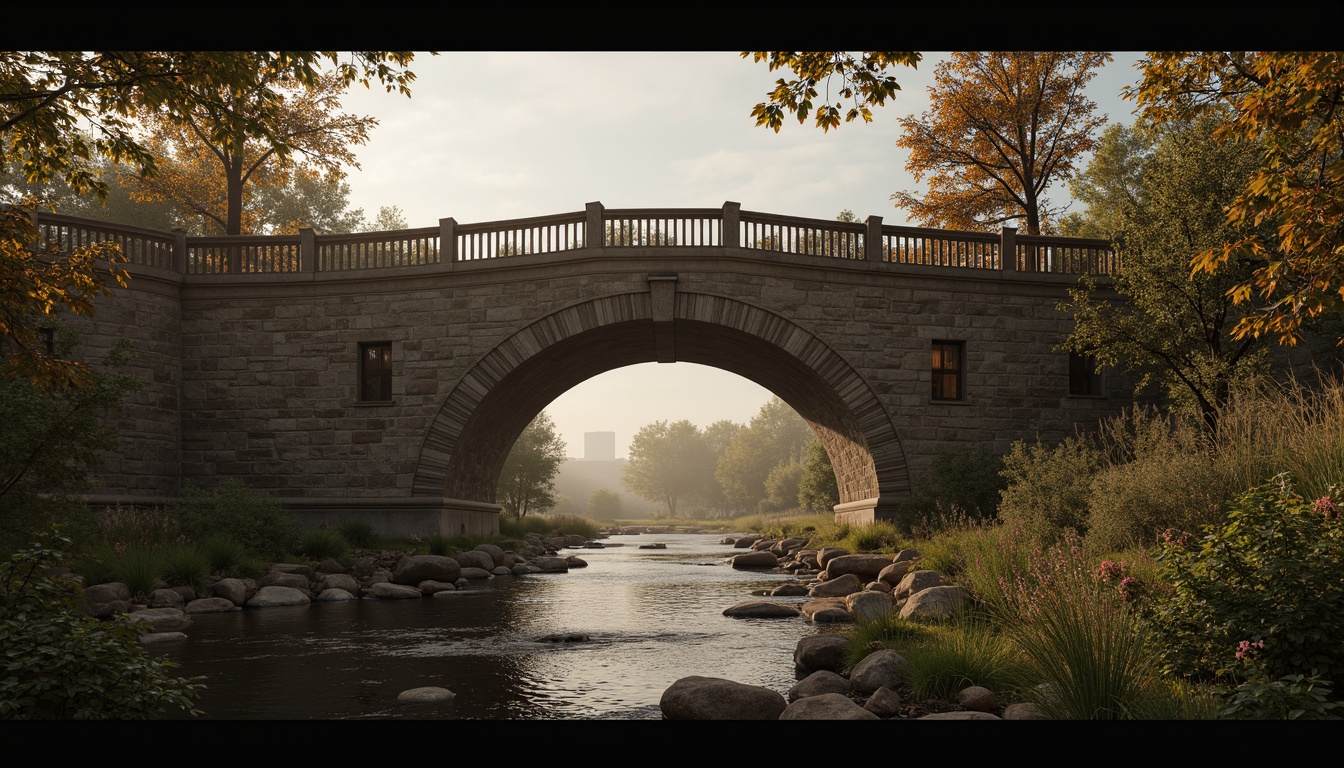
[[489, 136]]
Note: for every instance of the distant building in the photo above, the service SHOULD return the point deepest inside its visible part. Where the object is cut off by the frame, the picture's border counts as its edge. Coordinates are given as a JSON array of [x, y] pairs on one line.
[[599, 446]]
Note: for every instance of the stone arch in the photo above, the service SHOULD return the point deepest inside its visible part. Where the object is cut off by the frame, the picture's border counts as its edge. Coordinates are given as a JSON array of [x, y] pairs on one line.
[[465, 446]]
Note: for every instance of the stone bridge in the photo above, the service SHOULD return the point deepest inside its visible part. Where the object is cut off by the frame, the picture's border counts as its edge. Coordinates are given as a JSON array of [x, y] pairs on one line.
[[386, 375]]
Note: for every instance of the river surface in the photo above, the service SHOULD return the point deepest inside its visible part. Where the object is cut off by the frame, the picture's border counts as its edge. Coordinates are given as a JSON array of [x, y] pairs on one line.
[[652, 616]]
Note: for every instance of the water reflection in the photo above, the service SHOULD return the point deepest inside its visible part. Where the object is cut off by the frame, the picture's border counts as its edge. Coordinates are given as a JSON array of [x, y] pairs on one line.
[[652, 617]]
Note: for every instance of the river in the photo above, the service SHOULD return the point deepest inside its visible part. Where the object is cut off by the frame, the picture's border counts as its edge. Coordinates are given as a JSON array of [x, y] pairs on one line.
[[652, 616]]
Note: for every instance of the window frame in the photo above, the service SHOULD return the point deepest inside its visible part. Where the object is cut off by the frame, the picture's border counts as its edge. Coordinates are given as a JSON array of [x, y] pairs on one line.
[[1085, 380], [939, 374], [381, 370]]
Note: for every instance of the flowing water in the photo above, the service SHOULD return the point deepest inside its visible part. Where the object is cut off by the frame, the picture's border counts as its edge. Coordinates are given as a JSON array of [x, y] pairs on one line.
[[652, 616]]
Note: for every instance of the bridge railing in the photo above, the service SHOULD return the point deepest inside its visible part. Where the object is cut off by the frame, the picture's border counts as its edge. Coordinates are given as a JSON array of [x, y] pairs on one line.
[[595, 227]]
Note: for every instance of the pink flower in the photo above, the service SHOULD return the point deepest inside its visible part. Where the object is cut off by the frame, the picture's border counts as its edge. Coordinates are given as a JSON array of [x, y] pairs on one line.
[[1247, 648], [1110, 571], [1326, 506], [1130, 588]]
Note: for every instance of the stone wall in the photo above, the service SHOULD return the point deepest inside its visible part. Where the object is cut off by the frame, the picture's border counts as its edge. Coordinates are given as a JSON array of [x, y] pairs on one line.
[[255, 376]]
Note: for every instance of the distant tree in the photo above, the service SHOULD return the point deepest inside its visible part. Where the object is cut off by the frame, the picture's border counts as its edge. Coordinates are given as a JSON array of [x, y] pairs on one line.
[[527, 482], [818, 490], [311, 200], [781, 486], [775, 435], [1002, 127], [389, 218], [1174, 327], [668, 463], [717, 437], [604, 504]]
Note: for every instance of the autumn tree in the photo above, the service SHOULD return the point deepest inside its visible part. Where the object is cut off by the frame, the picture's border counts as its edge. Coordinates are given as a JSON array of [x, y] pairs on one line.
[[1288, 217], [1002, 127], [208, 165], [1168, 201], [668, 463], [62, 112], [527, 482]]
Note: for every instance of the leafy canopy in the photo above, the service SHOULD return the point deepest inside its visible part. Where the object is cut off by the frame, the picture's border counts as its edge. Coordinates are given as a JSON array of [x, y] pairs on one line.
[[1289, 215], [863, 81], [527, 482]]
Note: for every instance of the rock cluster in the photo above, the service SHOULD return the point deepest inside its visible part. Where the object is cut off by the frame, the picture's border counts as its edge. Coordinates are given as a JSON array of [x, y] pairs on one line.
[[372, 575], [842, 587]]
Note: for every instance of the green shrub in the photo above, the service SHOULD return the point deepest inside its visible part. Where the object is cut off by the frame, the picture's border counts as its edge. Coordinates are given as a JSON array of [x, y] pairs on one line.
[[259, 524], [139, 568], [439, 544], [322, 544], [886, 631], [1048, 488], [359, 532], [186, 566], [961, 482], [1291, 697], [224, 555], [879, 536], [60, 663], [968, 652], [1262, 587]]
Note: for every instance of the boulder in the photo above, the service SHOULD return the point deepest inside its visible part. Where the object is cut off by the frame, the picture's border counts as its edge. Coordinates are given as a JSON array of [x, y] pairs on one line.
[[817, 683], [431, 587], [413, 569], [783, 547], [1023, 711], [761, 609], [746, 541], [106, 593], [934, 603], [471, 572], [233, 590], [166, 598], [389, 591], [343, 581], [978, 699], [884, 702], [866, 567], [792, 589], [713, 698], [817, 652], [153, 638], [283, 579], [879, 668], [549, 564], [827, 706], [275, 596], [475, 558], [211, 605], [826, 554], [892, 574], [160, 619], [827, 610], [334, 595], [758, 559], [497, 555], [966, 715], [838, 587], [916, 581], [868, 605], [427, 695]]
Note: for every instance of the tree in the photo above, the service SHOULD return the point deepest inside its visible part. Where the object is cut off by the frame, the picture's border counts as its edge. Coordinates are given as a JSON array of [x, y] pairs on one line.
[[48, 99], [1003, 126], [781, 486], [1288, 217], [604, 504], [818, 490], [207, 163], [1168, 201], [527, 482], [317, 201], [668, 463], [863, 82], [775, 435]]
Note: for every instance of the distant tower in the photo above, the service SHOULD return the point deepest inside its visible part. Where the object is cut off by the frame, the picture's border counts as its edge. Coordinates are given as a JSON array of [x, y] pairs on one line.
[[599, 446]]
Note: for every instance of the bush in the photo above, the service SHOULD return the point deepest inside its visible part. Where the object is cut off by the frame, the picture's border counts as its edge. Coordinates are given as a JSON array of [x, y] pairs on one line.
[[1048, 488], [322, 544], [1268, 579], [60, 663], [359, 533], [186, 566], [878, 536], [439, 544], [139, 568], [224, 555], [886, 631], [260, 525], [966, 653], [962, 481]]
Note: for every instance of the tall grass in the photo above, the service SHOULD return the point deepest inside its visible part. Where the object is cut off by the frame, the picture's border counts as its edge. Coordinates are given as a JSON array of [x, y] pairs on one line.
[[968, 652], [186, 565], [138, 568], [888, 631], [359, 533], [1284, 427]]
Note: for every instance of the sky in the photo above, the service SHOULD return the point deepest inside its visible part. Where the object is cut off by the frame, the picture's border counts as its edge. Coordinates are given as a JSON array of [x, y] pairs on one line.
[[489, 136]]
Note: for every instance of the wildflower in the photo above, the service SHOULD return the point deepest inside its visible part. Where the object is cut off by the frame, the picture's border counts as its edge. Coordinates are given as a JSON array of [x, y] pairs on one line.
[[1110, 570], [1246, 648], [1326, 506], [1130, 588]]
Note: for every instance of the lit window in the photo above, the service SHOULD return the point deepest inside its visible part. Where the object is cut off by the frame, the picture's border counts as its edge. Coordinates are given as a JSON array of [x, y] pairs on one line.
[[1083, 377], [947, 369], [375, 372]]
